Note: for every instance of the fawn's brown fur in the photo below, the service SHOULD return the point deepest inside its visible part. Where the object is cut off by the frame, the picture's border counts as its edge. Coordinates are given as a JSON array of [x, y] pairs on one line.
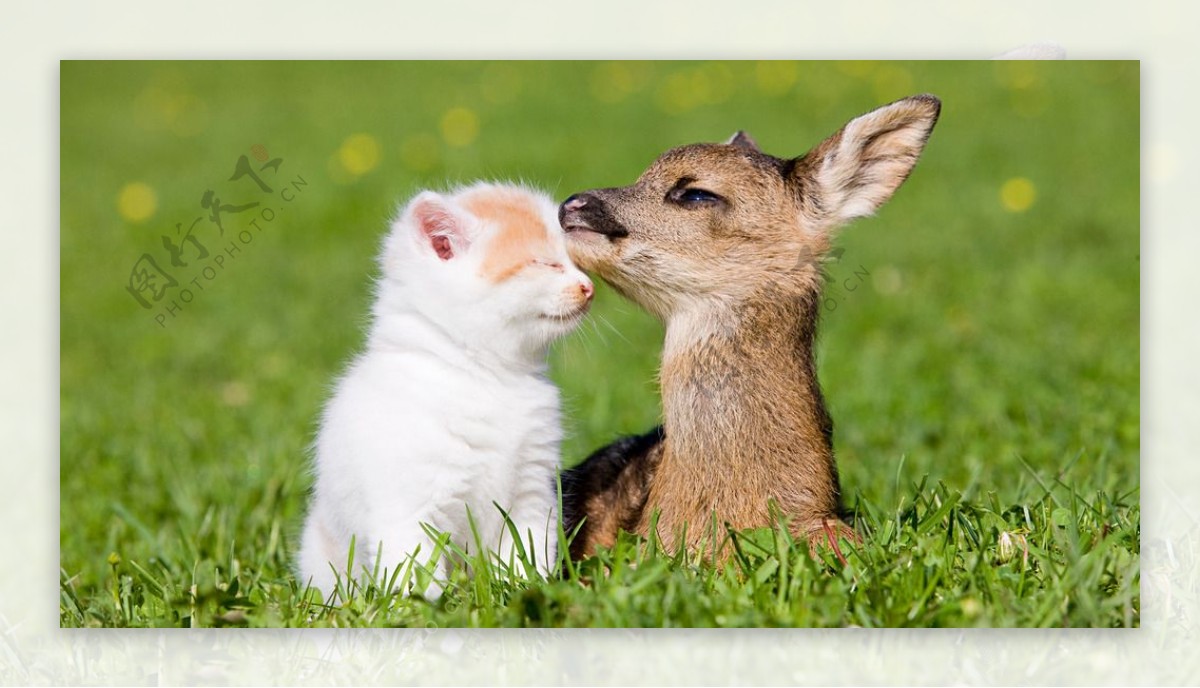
[[708, 239]]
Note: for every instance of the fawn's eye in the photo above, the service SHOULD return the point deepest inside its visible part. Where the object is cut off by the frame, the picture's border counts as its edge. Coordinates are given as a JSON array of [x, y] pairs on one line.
[[698, 196], [693, 196]]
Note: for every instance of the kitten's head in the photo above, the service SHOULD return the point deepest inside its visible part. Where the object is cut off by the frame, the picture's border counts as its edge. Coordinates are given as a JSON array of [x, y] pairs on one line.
[[487, 263]]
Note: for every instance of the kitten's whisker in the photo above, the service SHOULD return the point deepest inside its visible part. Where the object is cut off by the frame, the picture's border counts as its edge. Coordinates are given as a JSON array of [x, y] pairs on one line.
[[614, 329], [588, 330]]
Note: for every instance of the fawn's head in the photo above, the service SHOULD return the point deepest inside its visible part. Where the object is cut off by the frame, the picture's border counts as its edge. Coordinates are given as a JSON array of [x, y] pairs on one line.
[[724, 221]]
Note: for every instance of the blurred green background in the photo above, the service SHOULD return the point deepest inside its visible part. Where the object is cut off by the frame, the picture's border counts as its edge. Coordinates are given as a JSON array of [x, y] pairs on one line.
[[981, 328]]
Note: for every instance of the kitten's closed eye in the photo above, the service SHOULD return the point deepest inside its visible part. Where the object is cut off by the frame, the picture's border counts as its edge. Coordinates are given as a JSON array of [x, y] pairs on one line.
[[557, 267]]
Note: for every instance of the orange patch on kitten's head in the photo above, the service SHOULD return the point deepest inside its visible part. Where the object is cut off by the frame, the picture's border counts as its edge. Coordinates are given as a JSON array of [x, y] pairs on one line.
[[521, 232]]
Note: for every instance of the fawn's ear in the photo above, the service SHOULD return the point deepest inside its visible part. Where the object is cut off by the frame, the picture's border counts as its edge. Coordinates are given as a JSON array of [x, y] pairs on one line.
[[857, 169], [438, 225], [742, 140]]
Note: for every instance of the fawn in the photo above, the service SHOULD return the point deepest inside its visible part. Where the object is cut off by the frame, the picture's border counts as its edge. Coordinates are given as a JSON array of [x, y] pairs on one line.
[[707, 239]]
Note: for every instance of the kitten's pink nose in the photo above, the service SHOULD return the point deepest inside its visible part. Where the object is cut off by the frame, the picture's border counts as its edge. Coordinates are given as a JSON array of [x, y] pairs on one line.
[[587, 290]]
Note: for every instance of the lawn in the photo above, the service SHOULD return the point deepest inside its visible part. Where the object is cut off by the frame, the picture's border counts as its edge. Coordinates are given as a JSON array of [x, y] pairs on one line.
[[979, 347]]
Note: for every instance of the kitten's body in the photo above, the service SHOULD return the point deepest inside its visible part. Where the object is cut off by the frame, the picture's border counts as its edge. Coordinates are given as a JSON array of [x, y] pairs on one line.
[[449, 408]]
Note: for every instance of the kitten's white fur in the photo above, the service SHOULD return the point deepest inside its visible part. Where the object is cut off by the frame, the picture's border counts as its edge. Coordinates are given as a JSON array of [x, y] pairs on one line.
[[449, 406]]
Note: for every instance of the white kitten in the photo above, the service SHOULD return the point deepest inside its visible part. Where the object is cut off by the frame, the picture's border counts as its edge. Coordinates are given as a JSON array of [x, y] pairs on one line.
[[449, 407]]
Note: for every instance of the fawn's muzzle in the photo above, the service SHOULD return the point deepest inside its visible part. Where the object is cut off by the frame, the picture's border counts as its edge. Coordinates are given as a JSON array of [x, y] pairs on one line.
[[586, 212]]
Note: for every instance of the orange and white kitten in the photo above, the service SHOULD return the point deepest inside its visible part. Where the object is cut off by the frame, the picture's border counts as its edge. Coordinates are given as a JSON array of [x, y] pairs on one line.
[[449, 407]]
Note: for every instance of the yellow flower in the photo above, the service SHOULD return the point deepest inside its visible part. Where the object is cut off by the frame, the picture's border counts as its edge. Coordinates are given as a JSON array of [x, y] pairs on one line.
[[1009, 544]]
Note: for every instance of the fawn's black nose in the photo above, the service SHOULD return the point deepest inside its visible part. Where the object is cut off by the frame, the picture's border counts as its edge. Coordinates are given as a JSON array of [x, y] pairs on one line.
[[575, 202], [571, 211], [586, 211]]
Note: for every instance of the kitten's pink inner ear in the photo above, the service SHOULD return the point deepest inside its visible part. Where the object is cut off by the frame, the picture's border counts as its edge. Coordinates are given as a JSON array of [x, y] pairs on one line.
[[442, 246], [440, 228]]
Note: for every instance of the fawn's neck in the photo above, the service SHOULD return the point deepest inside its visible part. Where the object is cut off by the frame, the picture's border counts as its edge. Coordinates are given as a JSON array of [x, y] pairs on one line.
[[744, 415]]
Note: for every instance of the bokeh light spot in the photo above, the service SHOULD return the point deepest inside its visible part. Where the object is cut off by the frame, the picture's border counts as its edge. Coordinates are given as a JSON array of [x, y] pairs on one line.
[[166, 105], [136, 202], [689, 88], [1018, 74], [460, 126], [859, 69], [775, 78], [235, 393], [612, 82], [359, 154], [190, 118], [675, 94], [1017, 195], [887, 280]]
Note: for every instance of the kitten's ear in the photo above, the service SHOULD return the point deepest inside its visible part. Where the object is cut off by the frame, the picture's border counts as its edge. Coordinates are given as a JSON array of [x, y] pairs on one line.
[[439, 226], [856, 170]]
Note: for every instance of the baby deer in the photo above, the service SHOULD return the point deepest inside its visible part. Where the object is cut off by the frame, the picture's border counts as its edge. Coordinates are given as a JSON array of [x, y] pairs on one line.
[[707, 239]]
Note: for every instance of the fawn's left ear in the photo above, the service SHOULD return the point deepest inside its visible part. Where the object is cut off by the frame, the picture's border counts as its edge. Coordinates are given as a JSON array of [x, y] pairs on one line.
[[742, 140], [857, 169]]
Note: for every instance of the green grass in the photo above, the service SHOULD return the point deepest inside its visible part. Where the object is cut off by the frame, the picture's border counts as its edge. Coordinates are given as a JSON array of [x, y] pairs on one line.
[[981, 361]]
